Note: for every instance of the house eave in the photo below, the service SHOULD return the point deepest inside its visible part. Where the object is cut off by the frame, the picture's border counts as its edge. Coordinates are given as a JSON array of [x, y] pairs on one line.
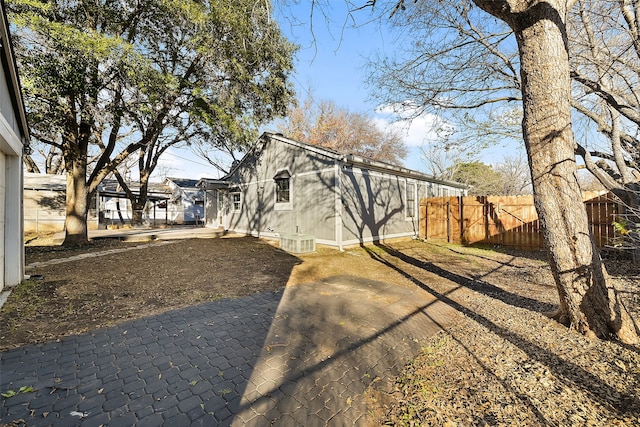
[[11, 69], [352, 159], [212, 184]]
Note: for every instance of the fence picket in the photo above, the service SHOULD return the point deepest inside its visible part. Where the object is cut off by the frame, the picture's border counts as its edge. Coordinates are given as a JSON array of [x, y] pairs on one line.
[[505, 220]]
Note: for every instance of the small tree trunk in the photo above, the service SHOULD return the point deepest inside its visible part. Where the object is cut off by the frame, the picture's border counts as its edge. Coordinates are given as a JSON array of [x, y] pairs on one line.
[[140, 201], [119, 212], [76, 205], [587, 301], [136, 215]]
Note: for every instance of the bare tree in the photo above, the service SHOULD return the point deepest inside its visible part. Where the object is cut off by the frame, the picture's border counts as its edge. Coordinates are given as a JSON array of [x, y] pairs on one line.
[[323, 123], [51, 159], [514, 170], [510, 177], [443, 154], [479, 75], [603, 43], [463, 65], [605, 53], [227, 153]]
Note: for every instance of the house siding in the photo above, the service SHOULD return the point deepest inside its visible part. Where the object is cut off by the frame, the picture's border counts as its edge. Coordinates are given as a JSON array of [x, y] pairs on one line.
[[340, 200], [311, 210], [13, 133], [315, 202], [186, 204], [374, 206], [6, 105]]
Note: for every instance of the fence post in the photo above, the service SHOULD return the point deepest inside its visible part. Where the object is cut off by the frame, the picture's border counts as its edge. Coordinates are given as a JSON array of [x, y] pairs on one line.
[[449, 221], [485, 218], [426, 220], [422, 219], [461, 218]]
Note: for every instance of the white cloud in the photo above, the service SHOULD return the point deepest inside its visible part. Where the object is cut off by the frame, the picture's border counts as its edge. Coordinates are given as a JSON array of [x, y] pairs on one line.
[[416, 128]]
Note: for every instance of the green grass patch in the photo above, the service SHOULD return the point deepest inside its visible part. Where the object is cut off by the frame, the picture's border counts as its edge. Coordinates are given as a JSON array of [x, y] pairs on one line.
[[24, 301]]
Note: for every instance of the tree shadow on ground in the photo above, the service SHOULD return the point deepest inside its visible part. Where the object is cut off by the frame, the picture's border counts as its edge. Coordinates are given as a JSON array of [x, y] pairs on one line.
[[474, 284], [506, 250], [566, 371], [330, 349]]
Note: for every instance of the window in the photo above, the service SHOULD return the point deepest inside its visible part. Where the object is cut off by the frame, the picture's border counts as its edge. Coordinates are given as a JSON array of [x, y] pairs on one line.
[[237, 201], [283, 194], [411, 199], [283, 186]]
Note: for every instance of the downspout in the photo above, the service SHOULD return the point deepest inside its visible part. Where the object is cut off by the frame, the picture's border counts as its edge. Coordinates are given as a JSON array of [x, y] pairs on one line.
[[338, 203]]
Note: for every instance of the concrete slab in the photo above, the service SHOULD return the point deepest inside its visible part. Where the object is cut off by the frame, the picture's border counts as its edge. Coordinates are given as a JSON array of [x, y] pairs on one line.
[[146, 234]]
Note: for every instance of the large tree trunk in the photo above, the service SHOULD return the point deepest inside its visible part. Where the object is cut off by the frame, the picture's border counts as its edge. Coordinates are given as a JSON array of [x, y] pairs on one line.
[[77, 205], [588, 302], [75, 163]]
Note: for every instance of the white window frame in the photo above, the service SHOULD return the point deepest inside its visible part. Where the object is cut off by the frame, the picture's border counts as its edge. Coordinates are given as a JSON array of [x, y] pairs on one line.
[[283, 206], [233, 201], [410, 189]]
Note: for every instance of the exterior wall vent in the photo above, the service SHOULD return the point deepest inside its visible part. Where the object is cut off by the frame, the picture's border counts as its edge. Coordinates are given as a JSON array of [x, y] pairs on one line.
[[297, 243]]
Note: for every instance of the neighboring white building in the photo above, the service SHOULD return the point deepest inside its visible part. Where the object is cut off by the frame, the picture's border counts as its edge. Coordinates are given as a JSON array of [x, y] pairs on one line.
[[44, 202], [186, 204], [174, 201], [115, 207], [14, 137]]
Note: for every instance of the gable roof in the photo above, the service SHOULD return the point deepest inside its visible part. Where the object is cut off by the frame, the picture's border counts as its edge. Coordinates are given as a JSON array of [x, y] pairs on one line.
[[11, 71], [350, 159], [108, 187], [184, 182]]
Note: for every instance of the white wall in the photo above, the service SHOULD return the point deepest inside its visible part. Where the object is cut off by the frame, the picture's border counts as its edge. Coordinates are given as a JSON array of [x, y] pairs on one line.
[[11, 248]]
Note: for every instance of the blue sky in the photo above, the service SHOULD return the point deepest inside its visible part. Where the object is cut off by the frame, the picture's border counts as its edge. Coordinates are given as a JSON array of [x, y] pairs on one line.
[[331, 62], [333, 53]]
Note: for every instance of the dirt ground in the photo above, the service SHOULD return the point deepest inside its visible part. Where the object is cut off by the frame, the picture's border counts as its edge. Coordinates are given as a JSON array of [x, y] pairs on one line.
[[502, 362], [131, 280]]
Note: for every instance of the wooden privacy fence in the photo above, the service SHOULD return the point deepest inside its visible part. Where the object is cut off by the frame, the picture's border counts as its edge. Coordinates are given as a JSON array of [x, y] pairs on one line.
[[505, 220]]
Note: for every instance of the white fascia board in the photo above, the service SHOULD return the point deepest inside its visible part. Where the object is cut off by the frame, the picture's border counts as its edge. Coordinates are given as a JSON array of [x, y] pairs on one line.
[[10, 143], [375, 165]]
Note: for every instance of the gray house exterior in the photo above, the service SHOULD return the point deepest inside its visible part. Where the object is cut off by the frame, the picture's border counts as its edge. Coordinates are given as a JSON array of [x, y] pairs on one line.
[[14, 139], [283, 186]]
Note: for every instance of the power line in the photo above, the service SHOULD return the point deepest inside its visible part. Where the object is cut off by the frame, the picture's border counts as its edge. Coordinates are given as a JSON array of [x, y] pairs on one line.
[[192, 161]]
